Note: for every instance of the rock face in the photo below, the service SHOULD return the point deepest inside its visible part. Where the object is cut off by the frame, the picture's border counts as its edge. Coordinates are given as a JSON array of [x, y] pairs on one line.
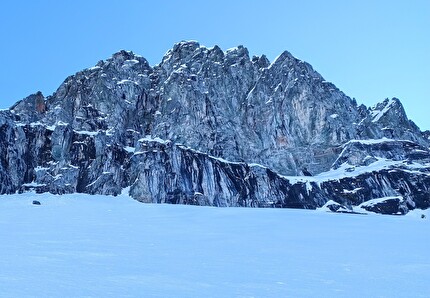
[[208, 127]]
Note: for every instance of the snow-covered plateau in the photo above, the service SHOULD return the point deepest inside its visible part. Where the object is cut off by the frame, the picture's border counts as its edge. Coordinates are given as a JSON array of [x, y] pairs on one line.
[[79, 245]]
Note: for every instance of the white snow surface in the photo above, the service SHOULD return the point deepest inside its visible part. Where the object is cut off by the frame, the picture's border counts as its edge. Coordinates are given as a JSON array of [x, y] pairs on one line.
[[126, 81], [130, 149], [100, 246], [345, 170], [33, 184], [377, 114], [149, 138], [94, 68], [85, 132], [331, 202], [372, 141], [380, 200], [130, 63]]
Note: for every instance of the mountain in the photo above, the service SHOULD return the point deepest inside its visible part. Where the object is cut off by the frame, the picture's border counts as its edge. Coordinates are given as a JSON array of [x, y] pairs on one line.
[[209, 127]]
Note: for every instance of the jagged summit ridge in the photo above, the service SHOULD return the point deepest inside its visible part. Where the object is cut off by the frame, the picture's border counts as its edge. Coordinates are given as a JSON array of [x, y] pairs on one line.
[[220, 111]]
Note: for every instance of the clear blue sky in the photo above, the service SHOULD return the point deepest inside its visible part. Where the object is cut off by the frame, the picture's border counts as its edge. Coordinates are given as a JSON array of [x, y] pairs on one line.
[[370, 49]]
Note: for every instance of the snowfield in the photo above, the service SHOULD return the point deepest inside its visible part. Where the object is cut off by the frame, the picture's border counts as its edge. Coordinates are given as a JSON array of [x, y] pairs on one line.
[[100, 246]]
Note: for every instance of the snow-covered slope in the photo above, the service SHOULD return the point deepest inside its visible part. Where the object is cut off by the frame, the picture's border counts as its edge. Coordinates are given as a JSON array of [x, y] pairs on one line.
[[96, 246]]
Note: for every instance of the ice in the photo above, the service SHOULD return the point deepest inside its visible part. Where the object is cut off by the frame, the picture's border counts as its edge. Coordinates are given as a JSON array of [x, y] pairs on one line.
[[98, 246]]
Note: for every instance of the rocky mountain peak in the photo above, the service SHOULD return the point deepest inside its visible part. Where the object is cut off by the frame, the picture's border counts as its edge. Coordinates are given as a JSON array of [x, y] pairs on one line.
[[285, 58], [31, 108], [261, 61], [426, 134], [122, 61], [391, 116], [237, 54], [213, 127], [387, 108], [300, 69], [123, 55], [181, 52]]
